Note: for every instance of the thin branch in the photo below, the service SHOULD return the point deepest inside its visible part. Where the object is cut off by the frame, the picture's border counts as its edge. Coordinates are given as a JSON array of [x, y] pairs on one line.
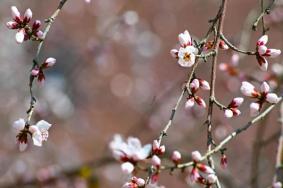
[[260, 17], [228, 138], [49, 22], [212, 83], [234, 47]]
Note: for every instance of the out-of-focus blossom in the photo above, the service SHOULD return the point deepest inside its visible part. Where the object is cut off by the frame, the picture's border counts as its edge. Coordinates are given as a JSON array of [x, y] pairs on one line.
[[263, 52], [209, 45], [155, 161], [131, 151], [277, 185], [134, 183]]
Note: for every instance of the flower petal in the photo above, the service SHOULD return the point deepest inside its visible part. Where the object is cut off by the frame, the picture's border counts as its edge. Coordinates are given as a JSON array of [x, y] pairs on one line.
[[43, 125], [262, 40], [272, 98], [264, 87], [19, 124]]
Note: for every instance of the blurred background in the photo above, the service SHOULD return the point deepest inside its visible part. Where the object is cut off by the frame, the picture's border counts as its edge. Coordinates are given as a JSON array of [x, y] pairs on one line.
[[114, 74]]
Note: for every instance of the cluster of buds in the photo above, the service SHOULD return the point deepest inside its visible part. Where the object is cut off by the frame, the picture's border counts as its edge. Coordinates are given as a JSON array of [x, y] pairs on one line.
[[21, 24], [201, 173], [209, 45], [38, 132], [157, 149], [194, 86], [262, 96], [134, 183], [176, 157], [186, 54], [232, 108], [37, 71], [129, 152], [262, 52]]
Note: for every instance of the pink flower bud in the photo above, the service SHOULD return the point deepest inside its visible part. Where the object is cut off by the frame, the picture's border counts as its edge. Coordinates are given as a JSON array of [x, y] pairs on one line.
[[264, 87], [174, 53], [20, 36], [204, 84], [235, 59], [155, 161], [127, 168], [185, 39], [15, 13], [262, 40], [194, 85], [140, 182], [34, 72], [236, 102], [190, 103], [272, 98], [196, 156], [27, 15], [50, 62], [247, 89], [228, 113], [176, 157], [36, 25], [254, 109], [39, 34], [273, 53], [12, 25], [262, 50]]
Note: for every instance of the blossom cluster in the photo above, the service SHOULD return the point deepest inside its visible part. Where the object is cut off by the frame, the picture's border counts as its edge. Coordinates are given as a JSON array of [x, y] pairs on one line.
[[21, 24], [38, 132]]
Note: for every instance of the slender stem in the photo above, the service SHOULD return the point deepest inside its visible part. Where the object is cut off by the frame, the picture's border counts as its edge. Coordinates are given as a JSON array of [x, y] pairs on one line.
[[212, 83], [234, 47], [263, 12], [49, 22]]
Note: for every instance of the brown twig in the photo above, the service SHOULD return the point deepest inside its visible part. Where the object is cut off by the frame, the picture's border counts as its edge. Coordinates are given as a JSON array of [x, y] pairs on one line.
[[212, 83], [49, 22]]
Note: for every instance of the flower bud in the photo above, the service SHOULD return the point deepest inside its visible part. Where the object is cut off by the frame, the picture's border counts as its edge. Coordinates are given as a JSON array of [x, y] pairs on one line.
[[155, 161], [211, 178], [20, 36], [27, 15], [127, 168], [196, 156], [176, 157], [15, 13], [254, 109]]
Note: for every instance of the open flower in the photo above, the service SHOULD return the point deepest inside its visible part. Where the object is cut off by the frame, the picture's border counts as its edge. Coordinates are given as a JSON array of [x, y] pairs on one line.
[[134, 183], [263, 52], [186, 53], [131, 151], [38, 132], [262, 96]]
